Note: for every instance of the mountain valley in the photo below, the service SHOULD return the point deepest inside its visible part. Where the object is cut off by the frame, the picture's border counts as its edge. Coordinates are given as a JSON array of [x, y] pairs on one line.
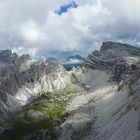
[[98, 100]]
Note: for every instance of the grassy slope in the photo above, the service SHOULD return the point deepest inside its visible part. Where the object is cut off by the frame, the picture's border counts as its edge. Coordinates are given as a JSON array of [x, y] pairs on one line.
[[43, 113]]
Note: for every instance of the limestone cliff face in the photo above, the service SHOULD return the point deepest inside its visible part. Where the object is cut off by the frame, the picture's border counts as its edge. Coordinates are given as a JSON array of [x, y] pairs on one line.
[[21, 79], [116, 58]]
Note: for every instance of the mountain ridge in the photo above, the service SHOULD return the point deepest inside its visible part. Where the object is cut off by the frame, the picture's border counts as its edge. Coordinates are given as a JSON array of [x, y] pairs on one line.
[[100, 99], [24, 75]]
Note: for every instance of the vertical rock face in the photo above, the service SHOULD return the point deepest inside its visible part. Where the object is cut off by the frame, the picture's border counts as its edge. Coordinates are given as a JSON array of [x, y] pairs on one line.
[[114, 57], [7, 57], [21, 79]]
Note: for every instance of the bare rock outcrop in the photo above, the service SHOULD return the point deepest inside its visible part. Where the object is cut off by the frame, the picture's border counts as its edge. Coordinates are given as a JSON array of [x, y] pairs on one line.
[[117, 58], [21, 79]]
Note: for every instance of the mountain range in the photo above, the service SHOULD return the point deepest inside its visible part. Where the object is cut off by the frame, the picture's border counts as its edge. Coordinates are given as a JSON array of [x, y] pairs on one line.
[[98, 100]]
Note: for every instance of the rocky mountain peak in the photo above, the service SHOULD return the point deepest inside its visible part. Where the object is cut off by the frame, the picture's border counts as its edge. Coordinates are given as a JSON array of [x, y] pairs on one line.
[[6, 52], [116, 46], [21, 77], [52, 61], [111, 45], [25, 57], [6, 56], [116, 58]]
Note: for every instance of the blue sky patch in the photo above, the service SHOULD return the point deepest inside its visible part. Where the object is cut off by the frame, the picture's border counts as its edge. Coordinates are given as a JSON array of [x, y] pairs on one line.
[[66, 7]]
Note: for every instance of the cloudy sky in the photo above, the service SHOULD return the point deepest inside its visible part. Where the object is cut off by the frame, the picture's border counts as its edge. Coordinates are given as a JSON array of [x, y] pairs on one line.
[[40, 26]]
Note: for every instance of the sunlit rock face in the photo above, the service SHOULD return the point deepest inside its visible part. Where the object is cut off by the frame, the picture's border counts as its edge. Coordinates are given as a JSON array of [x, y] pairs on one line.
[[21, 79]]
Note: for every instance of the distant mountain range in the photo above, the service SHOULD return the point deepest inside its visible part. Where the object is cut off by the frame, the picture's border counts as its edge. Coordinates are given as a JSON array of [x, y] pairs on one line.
[[74, 59], [65, 56], [73, 62]]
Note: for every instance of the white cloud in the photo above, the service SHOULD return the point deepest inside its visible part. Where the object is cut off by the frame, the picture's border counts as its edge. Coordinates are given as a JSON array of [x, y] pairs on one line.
[[33, 25], [74, 61], [22, 50], [30, 31]]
